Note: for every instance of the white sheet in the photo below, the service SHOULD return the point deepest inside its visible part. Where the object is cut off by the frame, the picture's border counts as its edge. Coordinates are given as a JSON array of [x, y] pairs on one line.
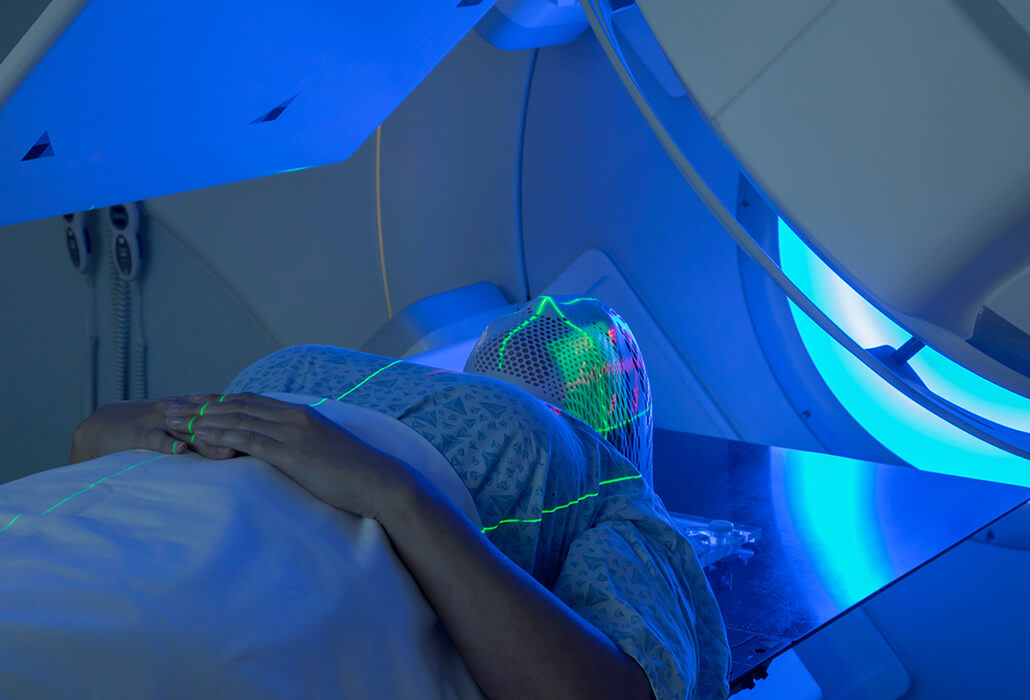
[[185, 577]]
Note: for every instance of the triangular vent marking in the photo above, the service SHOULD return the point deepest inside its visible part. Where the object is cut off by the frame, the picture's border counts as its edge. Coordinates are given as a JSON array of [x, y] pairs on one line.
[[42, 149], [273, 114]]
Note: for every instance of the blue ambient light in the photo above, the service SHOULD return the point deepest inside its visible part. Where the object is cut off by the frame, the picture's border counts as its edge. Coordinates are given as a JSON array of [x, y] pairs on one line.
[[908, 430], [828, 503]]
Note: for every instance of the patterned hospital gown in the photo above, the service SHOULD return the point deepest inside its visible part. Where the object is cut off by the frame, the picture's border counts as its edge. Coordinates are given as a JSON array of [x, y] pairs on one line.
[[614, 558]]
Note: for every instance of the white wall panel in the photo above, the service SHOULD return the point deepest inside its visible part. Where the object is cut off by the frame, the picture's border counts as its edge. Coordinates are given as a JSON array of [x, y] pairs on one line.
[[450, 175], [43, 302], [300, 248]]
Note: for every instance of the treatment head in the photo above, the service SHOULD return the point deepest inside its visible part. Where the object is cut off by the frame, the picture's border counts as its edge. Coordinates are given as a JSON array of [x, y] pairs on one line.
[[580, 356]]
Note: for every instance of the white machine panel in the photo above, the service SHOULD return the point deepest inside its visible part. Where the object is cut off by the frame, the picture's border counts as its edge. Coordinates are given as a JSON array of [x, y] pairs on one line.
[[721, 47], [893, 135], [136, 100]]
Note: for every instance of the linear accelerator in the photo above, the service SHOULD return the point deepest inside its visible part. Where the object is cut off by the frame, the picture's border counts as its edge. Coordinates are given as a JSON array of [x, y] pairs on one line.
[[865, 133]]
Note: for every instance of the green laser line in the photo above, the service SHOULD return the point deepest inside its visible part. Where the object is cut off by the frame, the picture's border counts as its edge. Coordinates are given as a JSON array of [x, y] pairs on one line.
[[504, 343], [484, 530], [566, 368], [536, 314], [570, 503], [101, 481], [319, 403], [203, 407], [625, 422], [621, 478], [357, 386], [10, 523]]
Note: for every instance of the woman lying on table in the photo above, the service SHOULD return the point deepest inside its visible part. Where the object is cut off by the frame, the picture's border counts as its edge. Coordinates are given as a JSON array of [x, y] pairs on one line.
[[578, 586]]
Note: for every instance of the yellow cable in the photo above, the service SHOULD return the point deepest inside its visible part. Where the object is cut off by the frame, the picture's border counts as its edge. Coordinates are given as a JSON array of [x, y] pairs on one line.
[[379, 223]]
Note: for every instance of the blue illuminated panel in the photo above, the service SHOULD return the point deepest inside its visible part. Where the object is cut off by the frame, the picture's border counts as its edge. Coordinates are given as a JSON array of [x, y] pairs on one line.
[[835, 530], [830, 504], [137, 99], [899, 424]]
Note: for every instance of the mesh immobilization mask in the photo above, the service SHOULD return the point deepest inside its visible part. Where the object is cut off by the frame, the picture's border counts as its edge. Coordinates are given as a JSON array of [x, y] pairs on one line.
[[579, 355]]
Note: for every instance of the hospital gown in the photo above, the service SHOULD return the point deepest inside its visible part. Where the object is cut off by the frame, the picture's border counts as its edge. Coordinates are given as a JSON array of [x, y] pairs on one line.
[[533, 471]]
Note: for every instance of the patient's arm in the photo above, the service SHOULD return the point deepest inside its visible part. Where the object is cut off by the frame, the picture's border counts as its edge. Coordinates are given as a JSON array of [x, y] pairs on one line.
[[517, 638], [129, 425]]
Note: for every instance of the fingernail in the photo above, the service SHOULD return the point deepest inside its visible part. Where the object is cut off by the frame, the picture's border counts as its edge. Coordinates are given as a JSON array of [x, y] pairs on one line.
[[176, 422], [202, 431]]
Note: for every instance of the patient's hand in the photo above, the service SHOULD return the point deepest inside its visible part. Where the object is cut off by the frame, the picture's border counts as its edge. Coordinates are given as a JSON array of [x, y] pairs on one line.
[[130, 425], [325, 458]]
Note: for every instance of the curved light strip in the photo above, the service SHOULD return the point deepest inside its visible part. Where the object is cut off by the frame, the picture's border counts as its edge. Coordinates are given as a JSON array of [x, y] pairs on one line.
[[901, 425]]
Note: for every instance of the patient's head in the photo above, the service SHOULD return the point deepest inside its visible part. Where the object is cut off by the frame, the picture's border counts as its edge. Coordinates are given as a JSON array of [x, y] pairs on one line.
[[579, 355]]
